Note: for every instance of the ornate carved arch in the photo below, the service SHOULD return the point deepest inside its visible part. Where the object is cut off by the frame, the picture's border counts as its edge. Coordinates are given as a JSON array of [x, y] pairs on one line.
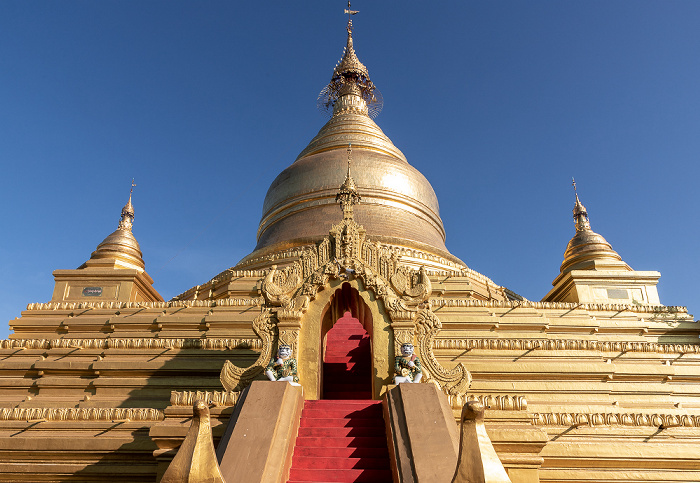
[[455, 382], [346, 255], [235, 378]]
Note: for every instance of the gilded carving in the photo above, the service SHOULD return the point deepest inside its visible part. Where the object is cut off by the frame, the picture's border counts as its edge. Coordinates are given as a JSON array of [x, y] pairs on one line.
[[656, 310], [235, 378], [294, 309], [500, 402], [189, 343], [564, 344], [414, 285], [454, 382], [616, 419], [81, 414], [279, 285], [402, 336], [217, 398], [290, 337]]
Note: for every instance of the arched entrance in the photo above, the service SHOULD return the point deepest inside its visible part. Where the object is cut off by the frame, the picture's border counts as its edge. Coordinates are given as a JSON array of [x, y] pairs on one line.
[[347, 351], [323, 311]]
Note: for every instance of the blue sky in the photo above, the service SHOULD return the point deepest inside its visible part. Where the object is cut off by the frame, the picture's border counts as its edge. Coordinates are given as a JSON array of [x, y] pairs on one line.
[[498, 104]]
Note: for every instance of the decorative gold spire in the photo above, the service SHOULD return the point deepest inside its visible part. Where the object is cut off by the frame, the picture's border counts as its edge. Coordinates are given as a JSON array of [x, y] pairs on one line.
[[580, 213], [349, 64], [127, 219], [350, 88], [347, 195], [121, 248], [587, 247]]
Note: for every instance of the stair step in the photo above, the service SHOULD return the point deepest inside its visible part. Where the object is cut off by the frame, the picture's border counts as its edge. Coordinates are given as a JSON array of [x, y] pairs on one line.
[[341, 348], [342, 438], [350, 384], [333, 343], [333, 463], [343, 392], [346, 395], [342, 432], [353, 330], [343, 379], [324, 452], [333, 476], [348, 442], [346, 366], [345, 359], [367, 403], [341, 423], [342, 413]]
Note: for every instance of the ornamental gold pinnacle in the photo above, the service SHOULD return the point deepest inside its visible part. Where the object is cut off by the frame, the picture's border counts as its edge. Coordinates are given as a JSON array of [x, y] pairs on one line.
[[347, 195]]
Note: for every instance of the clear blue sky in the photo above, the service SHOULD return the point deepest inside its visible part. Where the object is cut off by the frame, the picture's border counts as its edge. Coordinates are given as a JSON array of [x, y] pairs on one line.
[[499, 104]]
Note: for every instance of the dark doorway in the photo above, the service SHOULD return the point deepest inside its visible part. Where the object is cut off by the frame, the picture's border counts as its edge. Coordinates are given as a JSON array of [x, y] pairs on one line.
[[347, 359]]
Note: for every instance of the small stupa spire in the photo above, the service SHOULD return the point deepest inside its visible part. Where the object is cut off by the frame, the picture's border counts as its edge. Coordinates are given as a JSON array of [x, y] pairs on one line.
[[127, 218], [349, 63], [580, 213], [120, 248], [586, 245], [347, 194], [350, 88]]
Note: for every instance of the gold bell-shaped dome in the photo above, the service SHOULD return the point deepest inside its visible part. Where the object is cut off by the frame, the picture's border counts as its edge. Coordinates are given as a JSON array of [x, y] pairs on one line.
[[587, 249], [398, 205], [120, 248]]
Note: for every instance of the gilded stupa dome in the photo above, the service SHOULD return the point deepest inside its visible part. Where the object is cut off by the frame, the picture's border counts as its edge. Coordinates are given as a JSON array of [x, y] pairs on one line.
[[120, 248], [587, 249], [398, 205]]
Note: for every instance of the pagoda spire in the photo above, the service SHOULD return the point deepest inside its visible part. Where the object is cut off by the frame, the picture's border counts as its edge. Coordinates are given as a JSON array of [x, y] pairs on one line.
[[127, 218], [586, 245], [120, 248], [347, 195], [350, 89], [580, 213], [592, 272]]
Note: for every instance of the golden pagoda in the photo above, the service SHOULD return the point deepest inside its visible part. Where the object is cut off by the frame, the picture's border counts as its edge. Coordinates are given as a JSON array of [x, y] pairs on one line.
[[598, 381]]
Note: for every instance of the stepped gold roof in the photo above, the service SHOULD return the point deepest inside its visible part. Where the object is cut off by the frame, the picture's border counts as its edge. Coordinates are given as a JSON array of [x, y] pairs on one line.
[[398, 203]]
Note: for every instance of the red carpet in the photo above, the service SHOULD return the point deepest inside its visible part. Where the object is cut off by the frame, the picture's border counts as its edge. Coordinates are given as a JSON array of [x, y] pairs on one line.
[[347, 371], [342, 437]]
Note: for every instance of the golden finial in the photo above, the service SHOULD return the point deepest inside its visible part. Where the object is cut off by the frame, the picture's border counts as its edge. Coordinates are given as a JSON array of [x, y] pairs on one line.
[[586, 245], [350, 13], [347, 194], [580, 213], [350, 78], [127, 218]]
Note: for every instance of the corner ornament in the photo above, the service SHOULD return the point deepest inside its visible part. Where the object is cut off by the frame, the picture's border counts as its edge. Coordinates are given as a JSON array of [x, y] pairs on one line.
[[477, 460], [195, 461], [414, 286], [235, 378], [278, 286], [455, 382]]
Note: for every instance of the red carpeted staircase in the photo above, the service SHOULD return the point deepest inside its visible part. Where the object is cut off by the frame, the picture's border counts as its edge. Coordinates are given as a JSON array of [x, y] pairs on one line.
[[347, 365], [342, 437], [341, 441]]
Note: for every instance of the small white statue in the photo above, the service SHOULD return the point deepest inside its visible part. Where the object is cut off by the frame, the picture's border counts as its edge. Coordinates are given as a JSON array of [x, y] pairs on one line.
[[283, 367], [407, 367]]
